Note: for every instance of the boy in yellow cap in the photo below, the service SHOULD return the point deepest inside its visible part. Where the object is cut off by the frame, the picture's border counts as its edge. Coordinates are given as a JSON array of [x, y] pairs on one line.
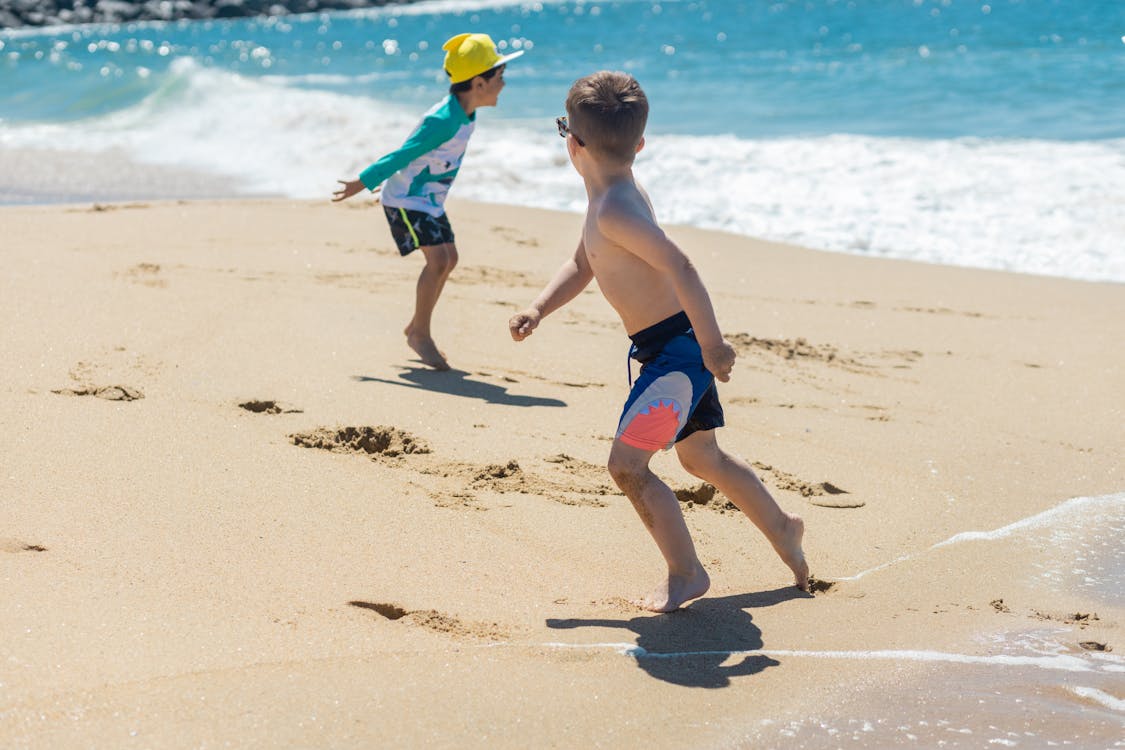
[[415, 179]]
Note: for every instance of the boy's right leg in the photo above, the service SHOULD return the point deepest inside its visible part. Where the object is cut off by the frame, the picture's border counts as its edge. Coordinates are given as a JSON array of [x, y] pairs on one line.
[[658, 508], [701, 456], [440, 261]]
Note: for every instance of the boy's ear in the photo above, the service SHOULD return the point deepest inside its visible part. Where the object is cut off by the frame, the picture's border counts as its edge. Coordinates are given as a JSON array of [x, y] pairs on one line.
[[641, 144], [572, 146]]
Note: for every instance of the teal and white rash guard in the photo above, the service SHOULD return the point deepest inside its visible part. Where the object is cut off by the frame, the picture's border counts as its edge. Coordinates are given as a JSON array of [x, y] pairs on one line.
[[418, 174]]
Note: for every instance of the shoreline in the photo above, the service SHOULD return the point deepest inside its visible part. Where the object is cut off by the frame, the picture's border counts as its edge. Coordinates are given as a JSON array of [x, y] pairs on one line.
[[135, 182], [184, 554], [51, 178]]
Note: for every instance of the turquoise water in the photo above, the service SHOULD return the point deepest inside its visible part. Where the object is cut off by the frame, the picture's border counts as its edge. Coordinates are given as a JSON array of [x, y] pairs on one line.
[[984, 134]]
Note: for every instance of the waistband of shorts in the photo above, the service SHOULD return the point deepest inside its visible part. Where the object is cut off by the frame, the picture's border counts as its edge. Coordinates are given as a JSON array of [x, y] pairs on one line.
[[648, 342]]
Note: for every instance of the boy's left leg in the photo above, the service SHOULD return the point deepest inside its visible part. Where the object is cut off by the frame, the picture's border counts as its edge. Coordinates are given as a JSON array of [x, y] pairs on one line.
[[658, 508], [440, 262], [433, 235], [701, 456]]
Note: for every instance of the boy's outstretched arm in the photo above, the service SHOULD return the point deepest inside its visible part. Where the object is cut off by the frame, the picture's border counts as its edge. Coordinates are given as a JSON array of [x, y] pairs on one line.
[[430, 133], [627, 225], [350, 188], [574, 276]]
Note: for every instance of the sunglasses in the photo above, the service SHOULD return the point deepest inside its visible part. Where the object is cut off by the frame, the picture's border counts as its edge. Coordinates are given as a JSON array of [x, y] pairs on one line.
[[564, 130]]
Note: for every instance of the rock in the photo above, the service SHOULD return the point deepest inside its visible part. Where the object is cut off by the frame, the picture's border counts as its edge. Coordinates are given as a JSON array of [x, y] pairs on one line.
[[16, 13], [116, 11]]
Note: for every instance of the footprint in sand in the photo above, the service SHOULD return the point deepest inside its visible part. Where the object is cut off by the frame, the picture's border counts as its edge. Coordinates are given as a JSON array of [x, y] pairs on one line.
[[510, 477], [15, 546], [374, 441], [146, 274], [941, 311], [795, 349], [269, 407], [703, 494], [823, 494], [510, 378], [362, 281], [872, 413], [800, 350], [99, 208], [508, 234], [108, 392], [389, 611], [492, 476], [492, 277], [436, 621], [835, 502]]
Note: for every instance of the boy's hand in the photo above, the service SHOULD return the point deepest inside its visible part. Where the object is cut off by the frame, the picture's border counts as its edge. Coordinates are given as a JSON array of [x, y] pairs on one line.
[[719, 360], [350, 188], [522, 324]]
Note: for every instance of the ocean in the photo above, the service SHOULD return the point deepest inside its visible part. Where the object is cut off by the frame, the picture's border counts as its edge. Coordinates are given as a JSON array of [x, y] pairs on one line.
[[986, 134]]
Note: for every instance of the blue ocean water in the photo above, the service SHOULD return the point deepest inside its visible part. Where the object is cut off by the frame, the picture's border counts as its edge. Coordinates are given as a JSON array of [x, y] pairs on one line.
[[987, 134]]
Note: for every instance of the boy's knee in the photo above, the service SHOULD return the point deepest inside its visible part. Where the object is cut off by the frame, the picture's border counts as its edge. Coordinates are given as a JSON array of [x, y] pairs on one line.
[[627, 473], [701, 464], [442, 259]]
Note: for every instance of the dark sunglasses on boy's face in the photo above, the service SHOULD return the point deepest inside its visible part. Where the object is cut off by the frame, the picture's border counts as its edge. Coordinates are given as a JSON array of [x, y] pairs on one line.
[[564, 130]]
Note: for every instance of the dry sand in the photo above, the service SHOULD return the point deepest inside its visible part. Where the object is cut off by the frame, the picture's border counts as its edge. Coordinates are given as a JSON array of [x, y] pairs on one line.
[[234, 511]]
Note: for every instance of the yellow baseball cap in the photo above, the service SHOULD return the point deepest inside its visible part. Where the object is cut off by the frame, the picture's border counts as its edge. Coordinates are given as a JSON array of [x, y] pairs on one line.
[[469, 55]]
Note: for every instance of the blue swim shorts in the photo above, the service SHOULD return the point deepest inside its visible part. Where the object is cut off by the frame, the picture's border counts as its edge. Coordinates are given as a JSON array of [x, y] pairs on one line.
[[674, 395]]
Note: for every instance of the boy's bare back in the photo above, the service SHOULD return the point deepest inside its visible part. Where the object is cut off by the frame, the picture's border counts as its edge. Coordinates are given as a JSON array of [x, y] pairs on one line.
[[630, 255]]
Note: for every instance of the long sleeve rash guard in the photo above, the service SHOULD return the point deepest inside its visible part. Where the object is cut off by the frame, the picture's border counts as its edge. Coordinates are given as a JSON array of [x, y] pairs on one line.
[[418, 175]]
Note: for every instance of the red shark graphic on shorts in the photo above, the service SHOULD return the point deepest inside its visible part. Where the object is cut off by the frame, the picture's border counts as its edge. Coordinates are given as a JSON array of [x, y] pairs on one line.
[[654, 427]]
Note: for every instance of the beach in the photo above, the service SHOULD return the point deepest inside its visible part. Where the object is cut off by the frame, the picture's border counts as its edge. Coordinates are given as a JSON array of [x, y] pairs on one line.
[[237, 511]]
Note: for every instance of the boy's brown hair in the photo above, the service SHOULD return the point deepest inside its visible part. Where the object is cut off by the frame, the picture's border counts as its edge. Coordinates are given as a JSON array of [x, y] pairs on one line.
[[607, 111]]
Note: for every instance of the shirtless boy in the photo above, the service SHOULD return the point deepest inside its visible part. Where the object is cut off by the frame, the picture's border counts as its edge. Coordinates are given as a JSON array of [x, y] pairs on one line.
[[668, 314]]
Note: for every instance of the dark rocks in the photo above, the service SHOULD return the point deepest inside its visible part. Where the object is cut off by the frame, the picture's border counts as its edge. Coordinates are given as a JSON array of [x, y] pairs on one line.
[[15, 13]]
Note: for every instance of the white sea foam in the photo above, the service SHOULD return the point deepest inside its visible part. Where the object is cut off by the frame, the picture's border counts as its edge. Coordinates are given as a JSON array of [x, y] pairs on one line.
[[271, 138], [1055, 662], [1100, 696], [1064, 513], [1047, 517], [1045, 207]]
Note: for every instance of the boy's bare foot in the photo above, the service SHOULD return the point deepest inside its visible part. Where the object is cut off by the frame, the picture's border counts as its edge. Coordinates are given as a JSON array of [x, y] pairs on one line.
[[428, 352], [789, 549], [676, 591]]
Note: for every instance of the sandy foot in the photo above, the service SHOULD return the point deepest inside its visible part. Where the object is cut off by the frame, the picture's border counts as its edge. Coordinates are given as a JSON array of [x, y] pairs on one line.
[[675, 591], [428, 352], [788, 547]]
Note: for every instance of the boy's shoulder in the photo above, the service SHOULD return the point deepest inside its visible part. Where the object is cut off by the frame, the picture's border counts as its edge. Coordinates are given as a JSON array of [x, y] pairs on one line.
[[624, 209], [448, 108], [442, 121]]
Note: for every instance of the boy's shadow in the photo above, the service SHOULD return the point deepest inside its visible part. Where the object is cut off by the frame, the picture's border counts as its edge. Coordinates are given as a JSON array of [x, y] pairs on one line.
[[458, 383], [689, 646]]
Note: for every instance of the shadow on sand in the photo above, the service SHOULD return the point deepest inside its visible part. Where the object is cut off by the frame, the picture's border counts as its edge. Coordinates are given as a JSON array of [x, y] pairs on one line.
[[458, 383], [690, 647]]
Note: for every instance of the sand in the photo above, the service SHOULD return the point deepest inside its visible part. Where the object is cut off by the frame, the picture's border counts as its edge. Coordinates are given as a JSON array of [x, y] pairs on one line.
[[235, 510]]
